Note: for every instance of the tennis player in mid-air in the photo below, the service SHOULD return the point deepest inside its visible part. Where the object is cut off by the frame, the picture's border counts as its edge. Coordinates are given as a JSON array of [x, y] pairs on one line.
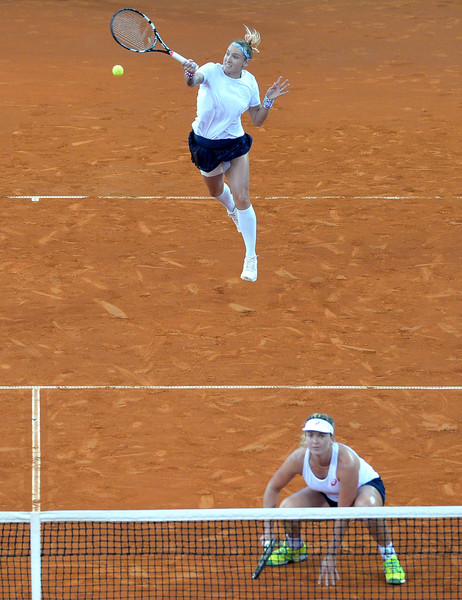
[[217, 141], [335, 476]]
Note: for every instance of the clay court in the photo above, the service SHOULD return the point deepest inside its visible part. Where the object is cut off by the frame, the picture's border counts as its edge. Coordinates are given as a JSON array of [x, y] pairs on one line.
[[117, 270]]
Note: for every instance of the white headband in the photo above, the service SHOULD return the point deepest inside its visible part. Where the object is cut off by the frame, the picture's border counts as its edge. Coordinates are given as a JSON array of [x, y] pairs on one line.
[[318, 425]]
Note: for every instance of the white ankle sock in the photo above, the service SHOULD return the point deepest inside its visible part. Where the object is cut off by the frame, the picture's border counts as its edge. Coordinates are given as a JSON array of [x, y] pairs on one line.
[[294, 542], [387, 551], [226, 198], [248, 225]]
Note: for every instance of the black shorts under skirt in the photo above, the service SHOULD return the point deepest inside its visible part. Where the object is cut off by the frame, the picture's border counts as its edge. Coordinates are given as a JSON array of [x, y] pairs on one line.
[[208, 154]]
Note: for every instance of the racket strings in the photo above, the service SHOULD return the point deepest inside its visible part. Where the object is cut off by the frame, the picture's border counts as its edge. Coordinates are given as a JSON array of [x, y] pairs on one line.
[[134, 31]]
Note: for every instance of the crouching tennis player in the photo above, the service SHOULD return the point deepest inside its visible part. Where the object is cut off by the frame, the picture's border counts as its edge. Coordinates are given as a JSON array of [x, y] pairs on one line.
[[217, 142], [335, 476]]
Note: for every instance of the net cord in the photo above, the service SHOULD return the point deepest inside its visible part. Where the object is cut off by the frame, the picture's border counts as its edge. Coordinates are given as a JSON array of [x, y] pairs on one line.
[[250, 514]]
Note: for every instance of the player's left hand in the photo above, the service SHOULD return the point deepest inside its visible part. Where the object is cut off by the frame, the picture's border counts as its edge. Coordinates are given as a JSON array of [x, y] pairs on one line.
[[279, 88], [328, 572]]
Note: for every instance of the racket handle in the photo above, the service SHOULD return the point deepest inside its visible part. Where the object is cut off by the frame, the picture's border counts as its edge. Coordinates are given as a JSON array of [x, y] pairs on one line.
[[177, 57]]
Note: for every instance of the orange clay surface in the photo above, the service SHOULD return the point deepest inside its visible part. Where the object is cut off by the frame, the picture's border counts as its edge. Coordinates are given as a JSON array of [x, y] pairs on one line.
[[356, 181]]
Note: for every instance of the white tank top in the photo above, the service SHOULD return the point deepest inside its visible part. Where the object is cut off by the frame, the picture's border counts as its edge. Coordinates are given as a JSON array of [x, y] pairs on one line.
[[330, 485]]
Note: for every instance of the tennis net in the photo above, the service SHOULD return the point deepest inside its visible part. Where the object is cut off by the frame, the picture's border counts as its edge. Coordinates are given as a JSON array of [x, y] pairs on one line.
[[212, 554]]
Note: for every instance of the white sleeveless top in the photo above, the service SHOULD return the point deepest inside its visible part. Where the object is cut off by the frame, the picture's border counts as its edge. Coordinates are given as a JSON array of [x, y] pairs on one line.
[[330, 486]]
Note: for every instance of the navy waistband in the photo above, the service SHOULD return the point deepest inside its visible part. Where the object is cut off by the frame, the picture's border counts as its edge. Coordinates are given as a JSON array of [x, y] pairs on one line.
[[215, 143]]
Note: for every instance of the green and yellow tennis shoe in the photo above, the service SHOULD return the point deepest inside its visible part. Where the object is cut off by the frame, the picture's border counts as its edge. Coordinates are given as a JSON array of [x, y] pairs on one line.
[[285, 554], [393, 571]]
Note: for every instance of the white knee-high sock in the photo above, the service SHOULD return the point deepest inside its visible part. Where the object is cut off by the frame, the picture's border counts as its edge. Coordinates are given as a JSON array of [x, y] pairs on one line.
[[248, 225], [226, 198]]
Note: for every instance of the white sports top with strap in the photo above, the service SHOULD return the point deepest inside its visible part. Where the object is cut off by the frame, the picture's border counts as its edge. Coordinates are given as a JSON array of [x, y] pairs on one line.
[[330, 486]]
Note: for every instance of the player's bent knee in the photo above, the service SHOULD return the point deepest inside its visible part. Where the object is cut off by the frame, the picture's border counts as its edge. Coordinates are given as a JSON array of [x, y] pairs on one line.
[[241, 203], [215, 192], [215, 188], [367, 501], [286, 503]]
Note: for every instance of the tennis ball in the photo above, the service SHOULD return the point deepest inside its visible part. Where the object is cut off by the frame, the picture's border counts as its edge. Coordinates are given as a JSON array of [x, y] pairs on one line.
[[117, 70]]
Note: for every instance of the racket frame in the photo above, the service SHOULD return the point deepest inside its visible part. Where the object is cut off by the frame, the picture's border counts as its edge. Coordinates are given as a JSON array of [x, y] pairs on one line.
[[269, 547], [165, 50]]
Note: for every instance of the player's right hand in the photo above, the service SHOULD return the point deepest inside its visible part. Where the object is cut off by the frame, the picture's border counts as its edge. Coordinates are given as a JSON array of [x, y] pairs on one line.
[[265, 539], [190, 66]]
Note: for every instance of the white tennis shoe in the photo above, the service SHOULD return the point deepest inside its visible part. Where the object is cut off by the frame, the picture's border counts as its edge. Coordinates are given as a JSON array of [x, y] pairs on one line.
[[234, 216], [249, 272]]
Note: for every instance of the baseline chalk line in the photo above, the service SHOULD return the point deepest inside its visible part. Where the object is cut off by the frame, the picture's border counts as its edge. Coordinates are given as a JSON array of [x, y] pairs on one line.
[[340, 197], [231, 387]]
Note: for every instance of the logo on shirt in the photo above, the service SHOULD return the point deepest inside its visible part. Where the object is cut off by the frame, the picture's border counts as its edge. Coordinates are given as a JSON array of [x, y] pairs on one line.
[[333, 482]]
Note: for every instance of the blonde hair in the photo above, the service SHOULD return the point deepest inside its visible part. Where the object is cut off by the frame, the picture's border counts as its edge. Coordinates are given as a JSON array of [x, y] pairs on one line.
[[250, 42]]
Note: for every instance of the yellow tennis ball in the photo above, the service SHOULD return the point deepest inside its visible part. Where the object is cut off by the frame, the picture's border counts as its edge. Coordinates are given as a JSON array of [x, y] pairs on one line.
[[117, 70]]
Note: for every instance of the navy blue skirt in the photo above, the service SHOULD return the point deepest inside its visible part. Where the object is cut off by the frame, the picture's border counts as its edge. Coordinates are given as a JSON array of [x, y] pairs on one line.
[[208, 154]]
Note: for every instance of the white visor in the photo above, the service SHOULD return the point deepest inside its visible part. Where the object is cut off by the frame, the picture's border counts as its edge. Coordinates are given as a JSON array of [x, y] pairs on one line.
[[318, 425]]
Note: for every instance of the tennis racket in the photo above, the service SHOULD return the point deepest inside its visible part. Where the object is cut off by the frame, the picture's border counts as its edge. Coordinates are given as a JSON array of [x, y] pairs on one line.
[[269, 547], [136, 32]]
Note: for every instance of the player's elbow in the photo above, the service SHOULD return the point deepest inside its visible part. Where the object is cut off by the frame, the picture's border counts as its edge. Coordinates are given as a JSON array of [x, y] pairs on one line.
[[257, 121]]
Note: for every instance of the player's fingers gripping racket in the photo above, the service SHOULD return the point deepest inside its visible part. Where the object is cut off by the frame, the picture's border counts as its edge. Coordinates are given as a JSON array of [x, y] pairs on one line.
[[269, 547], [136, 32]]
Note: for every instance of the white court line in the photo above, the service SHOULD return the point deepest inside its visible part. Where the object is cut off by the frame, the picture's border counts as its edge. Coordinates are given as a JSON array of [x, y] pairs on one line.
[[343, 197], [230, 387]]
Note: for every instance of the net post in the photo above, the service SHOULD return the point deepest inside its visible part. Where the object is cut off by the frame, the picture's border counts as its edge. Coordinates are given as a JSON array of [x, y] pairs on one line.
[[35, 542], [35, 558]]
